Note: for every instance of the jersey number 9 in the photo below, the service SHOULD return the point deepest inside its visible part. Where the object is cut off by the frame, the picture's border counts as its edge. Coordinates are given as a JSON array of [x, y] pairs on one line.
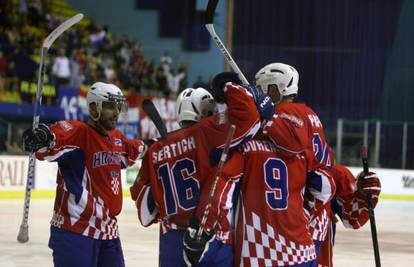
[[276, 178]]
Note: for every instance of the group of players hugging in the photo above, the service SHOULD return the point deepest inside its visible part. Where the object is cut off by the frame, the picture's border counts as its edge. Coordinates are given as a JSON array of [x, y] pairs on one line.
[[275, 201]]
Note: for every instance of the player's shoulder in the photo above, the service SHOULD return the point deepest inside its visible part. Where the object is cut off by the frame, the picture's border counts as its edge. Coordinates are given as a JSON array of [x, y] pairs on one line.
[[295, 106], [116, 133], [69, 126]]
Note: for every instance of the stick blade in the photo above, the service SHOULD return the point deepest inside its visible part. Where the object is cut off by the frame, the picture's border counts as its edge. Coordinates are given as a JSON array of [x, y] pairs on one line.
[[59, 30], [23, 235], [152, 112], [211, 8]]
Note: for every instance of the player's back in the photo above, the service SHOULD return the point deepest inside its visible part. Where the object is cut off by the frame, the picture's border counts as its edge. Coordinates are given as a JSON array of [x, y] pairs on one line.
[[271, 225], [179, 166], [312, 127]]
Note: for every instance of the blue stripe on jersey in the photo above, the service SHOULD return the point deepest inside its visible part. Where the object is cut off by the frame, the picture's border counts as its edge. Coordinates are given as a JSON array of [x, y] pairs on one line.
[[72, 167], [314, 181]]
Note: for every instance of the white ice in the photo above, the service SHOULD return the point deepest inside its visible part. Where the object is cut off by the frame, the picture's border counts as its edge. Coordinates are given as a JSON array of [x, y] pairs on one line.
[[395, 220]]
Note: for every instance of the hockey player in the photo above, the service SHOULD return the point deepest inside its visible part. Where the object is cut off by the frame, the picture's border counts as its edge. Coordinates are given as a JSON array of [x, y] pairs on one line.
[[179, 169], [84, 230], [295, 127], [349, 203], [280, 81], [272, 225]]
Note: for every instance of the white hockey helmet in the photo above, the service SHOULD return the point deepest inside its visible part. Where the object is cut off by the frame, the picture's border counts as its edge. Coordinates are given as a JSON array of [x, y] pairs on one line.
[[285, 77], [105, 92], [194, 104]]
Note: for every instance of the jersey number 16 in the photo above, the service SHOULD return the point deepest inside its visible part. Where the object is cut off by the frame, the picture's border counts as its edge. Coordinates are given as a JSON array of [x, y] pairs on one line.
[[180, 187]]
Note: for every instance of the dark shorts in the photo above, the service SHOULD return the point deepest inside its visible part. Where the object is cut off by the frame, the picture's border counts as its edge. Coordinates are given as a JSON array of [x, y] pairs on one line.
[[71, 249]]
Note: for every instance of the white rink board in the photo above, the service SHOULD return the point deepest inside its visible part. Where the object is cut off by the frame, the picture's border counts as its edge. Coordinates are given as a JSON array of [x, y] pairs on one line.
[[395, 182], [13, 173]]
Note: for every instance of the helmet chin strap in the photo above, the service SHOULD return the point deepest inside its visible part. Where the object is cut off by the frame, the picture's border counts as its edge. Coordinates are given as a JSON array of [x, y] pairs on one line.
[[96, 118], [98, 109]]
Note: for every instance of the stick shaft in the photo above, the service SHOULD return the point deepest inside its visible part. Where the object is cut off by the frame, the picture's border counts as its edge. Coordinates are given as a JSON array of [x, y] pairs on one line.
[[223, 159], [152, 112], [364, 158], [23, 235], [209, 19]]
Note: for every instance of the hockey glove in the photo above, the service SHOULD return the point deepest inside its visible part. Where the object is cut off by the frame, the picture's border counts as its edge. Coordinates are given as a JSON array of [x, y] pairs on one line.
[[217, 85], [368, 185], [40, 138], [265, 107], [150, 141], [264, 103], [194, 250]]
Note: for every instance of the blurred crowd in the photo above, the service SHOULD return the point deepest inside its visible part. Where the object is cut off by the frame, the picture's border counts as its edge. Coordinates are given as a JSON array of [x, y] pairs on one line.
[[85, 54]]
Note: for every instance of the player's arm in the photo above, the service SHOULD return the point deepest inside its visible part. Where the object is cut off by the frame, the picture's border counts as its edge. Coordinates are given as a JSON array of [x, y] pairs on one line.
[[222, 201], [350, 202], [241, 106], [218, 224], [289, 129], [141, 194], [320, 185], [134, 149], [241, 111], [55, 142]]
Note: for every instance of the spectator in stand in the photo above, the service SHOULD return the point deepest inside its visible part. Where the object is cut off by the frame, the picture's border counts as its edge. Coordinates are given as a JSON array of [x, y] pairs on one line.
[[12, 82], [75, 80], [3, 67], [22, 12], [61, 69], [173, 81], [161, 80], [107, 63], [96, 36], [182, 68], [166, 61], [125, 52]]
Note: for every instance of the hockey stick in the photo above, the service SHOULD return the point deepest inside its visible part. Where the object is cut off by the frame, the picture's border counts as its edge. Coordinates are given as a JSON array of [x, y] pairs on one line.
[[209, 17], [152, 112], [223, 159], [23, 235], [364, 158]]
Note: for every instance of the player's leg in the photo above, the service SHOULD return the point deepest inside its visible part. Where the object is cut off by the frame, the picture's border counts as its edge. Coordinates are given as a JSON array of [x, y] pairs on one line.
[[171, 249], [71, 249], [218, 255], [110, 254]]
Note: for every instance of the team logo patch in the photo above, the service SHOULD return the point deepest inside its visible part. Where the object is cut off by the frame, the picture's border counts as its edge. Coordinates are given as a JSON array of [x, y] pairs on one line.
[[118, 142], [115, 182], [66, 126], [294, 120]]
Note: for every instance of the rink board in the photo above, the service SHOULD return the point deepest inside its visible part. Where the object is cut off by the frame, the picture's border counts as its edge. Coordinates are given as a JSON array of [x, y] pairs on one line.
[[396, 184]]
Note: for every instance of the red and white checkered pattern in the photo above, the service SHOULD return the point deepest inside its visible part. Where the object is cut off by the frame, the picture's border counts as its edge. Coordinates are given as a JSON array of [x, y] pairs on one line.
[[354, 211], [262, 247], [319, 226]]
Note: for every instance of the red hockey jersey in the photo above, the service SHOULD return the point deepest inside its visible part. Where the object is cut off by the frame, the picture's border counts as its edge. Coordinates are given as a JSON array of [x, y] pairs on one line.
[[179, 167], [271, 222], [89, 192], [296, 127], [352, 211]]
